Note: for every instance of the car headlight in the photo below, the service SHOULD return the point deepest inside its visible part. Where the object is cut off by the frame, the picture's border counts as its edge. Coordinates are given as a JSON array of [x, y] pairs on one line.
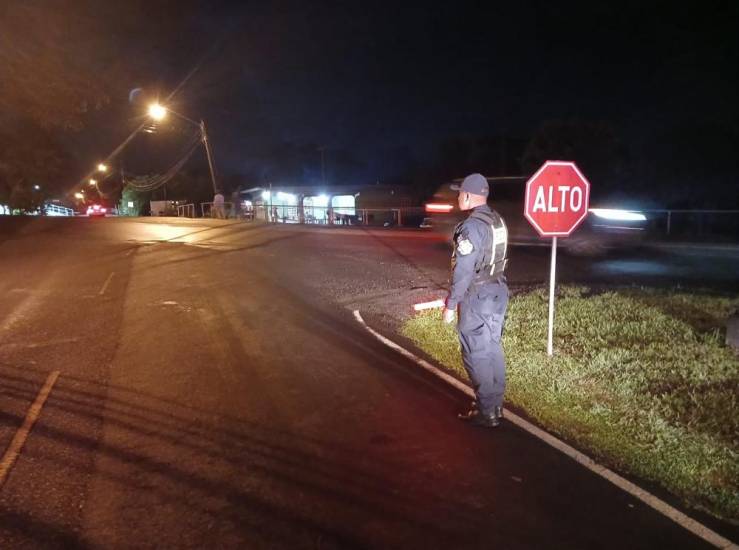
[[618, 215]]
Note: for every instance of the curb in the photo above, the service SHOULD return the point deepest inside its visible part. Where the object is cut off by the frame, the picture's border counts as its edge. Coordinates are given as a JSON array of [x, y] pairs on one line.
[[646, 497]]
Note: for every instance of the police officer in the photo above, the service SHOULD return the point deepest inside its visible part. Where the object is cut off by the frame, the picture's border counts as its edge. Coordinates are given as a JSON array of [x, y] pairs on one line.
[[480, 292]]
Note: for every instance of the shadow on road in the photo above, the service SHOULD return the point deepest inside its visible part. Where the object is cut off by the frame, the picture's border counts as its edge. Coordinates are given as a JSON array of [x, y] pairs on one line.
[[246, 477], [334, 479]]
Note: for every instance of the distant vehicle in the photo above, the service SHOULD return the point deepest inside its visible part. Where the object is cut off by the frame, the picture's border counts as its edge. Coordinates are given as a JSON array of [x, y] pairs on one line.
[[96, 211], [602, 230]]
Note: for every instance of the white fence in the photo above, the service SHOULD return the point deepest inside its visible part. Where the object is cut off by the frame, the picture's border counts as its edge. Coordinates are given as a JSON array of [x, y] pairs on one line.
[[186, 210], [322, 215], [209, 210], [57, 210], [698, 223]]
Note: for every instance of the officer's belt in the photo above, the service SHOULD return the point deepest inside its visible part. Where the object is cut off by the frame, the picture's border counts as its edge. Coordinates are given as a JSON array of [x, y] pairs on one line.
[[501, 279]]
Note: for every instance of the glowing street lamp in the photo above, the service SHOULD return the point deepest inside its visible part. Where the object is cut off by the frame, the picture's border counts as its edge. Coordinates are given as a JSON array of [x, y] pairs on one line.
[[79, 196], [93, 182], [157, 111], [102, 167]]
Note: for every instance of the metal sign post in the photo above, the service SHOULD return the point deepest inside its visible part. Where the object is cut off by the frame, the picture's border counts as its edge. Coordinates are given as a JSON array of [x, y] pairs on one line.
[[552, 271], [557, 199]]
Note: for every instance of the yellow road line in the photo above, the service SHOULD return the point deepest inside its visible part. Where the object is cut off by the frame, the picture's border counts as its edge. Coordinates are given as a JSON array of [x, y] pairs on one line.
[[14, 449], [106, 283]]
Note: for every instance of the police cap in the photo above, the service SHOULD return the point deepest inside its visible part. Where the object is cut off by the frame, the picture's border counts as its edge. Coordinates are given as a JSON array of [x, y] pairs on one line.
[[475, 184]]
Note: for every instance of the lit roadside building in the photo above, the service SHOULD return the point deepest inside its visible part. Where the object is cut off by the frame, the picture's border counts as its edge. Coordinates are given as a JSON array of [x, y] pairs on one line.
[[331, 204]]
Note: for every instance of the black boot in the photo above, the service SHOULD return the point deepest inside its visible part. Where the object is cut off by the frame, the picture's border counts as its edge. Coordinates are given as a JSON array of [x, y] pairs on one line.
[[475, 418]]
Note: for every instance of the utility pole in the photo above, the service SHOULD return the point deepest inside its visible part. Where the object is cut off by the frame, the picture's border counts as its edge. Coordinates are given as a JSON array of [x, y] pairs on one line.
[[209, 154], [323, 166], [158, 112]]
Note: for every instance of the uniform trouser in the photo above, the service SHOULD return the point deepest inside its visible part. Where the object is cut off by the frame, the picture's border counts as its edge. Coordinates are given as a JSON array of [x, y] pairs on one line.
[[480, 327]]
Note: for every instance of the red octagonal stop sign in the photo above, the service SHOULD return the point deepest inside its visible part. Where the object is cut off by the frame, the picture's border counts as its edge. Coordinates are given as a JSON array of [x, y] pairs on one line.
[[557, 198]]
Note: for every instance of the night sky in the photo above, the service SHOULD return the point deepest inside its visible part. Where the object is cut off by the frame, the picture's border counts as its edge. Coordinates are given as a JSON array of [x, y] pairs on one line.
[[383, 87]]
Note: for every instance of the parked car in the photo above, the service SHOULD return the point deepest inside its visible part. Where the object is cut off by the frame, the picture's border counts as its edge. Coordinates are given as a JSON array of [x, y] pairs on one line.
[[604, 228]]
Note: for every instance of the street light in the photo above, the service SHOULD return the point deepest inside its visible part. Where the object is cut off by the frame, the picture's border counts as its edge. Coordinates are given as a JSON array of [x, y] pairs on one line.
[[37, 187], [102, 167], [79, 196], [93, 182], [159, 112]]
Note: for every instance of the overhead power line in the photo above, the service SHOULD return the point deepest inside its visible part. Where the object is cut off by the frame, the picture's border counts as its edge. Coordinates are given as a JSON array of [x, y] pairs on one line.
[[150, 183], [217, 44]]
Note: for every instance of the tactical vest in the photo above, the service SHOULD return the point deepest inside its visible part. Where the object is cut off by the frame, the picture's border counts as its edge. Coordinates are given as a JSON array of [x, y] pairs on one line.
[[492, 262]]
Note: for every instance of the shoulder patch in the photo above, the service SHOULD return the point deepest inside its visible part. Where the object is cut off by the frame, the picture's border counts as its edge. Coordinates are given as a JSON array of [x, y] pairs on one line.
[[464, 246]]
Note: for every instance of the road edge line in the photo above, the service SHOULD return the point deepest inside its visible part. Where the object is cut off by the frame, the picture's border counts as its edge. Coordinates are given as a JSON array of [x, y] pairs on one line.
[[16, 445], [634, 490]]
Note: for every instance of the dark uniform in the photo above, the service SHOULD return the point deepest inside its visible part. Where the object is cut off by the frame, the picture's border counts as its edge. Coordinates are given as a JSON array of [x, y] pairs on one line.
[[479, 288]]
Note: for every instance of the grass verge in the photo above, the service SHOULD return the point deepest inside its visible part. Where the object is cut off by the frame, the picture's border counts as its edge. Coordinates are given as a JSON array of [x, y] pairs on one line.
[[640, 378]]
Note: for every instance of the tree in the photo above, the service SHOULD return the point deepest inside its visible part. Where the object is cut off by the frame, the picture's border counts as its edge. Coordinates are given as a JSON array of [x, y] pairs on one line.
[[299, 163], [52, 59], [593, 146], [194, 186], [133, 201], [30, 156], [56, 67], [690, 164], [459, 156], [491, 155], [61, 61]]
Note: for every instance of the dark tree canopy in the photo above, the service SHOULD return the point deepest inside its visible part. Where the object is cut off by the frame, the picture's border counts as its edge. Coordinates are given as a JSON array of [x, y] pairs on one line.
[[53, 70], [593, 146]]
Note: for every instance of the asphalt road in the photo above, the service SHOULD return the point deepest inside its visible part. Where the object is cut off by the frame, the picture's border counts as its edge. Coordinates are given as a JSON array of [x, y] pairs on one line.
[[214, 391]]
